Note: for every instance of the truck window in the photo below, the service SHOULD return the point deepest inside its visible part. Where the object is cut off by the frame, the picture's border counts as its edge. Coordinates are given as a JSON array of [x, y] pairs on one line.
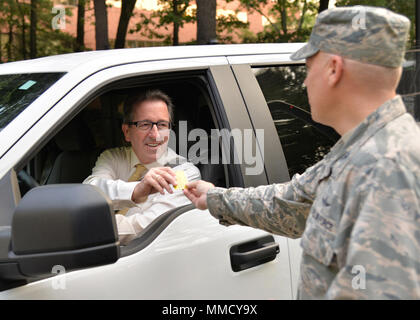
[[17, 91], [408, 86], [304, 142]]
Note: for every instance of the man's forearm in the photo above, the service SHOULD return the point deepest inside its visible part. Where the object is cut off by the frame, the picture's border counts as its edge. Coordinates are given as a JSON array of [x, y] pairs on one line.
[[118, 191]]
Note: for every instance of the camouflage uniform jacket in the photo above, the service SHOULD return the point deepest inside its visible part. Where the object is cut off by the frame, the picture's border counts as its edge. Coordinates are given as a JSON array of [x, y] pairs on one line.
[[357, 211]]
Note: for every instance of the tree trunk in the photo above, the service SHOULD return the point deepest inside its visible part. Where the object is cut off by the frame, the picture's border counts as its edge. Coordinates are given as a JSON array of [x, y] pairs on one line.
[[101, 25], [323, 5], [10, 42], [176, 34], [206, 21], [283, 15], [302, 16], [80, 38], [32, 34], [126, 13], [176, 24], [23, 37]]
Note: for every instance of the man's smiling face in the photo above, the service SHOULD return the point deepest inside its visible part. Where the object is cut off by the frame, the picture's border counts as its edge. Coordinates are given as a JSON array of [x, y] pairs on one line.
[[148, 145]]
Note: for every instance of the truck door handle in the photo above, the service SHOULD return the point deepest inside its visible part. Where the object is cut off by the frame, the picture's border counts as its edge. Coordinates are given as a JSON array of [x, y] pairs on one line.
[[253, 253]]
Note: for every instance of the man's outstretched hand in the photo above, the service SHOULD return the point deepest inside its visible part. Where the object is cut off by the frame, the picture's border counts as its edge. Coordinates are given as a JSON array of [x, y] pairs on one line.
[[196, 191]]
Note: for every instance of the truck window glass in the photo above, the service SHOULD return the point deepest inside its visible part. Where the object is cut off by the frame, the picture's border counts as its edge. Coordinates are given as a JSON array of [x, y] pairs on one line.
[[304, 142], [17, 91], [408, 87]]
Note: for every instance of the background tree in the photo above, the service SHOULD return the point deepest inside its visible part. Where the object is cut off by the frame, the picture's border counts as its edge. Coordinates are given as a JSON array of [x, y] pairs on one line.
[[18, 18], [48, 40], [206, 21], [34, 20], [80, 35], [1, 48], [2, 24], [101, 25], [287, 20], [22, 9], [174, 12], [10, 20], [126, 13], [229, 25], [171, 13]]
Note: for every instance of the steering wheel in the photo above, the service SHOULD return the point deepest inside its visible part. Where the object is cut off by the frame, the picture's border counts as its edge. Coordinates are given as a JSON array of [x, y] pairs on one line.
[[28, 181]]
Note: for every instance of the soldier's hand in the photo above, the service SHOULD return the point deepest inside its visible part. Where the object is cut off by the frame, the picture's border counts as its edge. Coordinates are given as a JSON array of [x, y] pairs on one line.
[[196, 191]]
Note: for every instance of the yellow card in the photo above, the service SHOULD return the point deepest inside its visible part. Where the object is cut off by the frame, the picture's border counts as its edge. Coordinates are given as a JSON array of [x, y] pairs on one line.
[[181, 180]]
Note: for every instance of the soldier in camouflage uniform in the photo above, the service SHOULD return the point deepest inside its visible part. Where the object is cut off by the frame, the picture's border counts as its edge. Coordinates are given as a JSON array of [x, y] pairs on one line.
[[358, 208]]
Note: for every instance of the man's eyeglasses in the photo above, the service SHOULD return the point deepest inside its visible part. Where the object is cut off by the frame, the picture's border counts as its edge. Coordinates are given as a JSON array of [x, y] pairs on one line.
[[147, 125]]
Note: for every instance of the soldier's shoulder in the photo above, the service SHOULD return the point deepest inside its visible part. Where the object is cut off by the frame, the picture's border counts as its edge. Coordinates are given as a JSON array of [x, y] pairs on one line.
[[400, 141], [396, 143]]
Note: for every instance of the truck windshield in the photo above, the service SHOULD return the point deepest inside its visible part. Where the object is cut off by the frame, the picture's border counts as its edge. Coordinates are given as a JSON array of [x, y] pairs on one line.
[[17, 91]]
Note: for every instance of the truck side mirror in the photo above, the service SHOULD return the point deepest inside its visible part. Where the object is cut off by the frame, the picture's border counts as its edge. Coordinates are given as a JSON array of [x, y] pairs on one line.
[[66, 225]]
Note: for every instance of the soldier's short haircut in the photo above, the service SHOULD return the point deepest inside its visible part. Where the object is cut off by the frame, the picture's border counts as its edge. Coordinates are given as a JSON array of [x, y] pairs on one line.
[[150, 95]]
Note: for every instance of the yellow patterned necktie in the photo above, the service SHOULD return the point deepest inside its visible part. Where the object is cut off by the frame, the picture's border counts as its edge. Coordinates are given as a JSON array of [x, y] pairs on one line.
[[140, 171]]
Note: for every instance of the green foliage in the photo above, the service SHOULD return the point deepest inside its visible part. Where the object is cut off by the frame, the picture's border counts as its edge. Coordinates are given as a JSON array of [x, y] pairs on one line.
[[171, 13], [405, 7], [288, 20], [174, 12], [15, 20], [228, 25]]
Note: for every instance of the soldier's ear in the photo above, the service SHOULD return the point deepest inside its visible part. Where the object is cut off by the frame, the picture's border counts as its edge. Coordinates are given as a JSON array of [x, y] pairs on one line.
[[335, 70]]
